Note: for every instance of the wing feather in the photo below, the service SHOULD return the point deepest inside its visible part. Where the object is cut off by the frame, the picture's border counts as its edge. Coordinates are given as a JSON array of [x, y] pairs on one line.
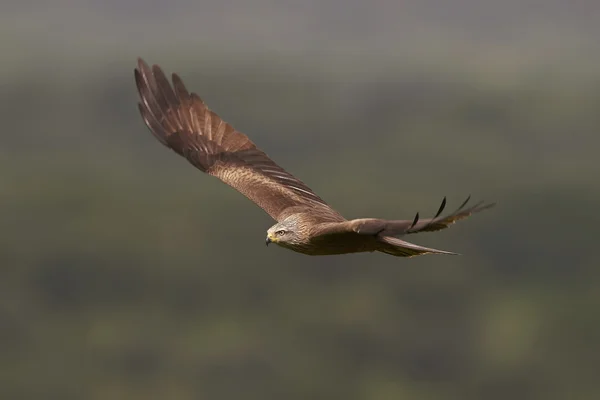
[[182, 122], [438, 223], [374, 226]]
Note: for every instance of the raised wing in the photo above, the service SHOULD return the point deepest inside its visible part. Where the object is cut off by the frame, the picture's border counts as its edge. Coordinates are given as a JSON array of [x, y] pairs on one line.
[[182, 122]]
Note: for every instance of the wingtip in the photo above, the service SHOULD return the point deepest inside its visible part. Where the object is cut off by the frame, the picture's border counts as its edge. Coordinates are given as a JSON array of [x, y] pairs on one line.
[[177, 81], [441, 209], [466, 201], [491, 205], [141, 63], [414, 221]]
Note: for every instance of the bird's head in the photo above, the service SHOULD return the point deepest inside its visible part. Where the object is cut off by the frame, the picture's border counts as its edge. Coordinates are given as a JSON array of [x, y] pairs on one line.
[[283, 233]]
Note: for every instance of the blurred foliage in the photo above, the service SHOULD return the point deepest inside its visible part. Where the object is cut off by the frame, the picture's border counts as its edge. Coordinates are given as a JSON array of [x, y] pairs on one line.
[[127, 274]]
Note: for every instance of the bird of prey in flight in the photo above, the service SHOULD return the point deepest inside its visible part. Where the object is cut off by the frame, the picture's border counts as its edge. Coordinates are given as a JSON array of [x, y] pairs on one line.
[[305, 223]]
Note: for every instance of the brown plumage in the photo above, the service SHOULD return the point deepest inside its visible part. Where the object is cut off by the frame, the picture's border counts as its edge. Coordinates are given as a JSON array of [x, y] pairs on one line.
[[305, 223]]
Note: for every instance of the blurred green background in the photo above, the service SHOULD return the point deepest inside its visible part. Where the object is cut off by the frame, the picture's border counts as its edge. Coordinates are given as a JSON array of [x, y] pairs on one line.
[[127, 274]]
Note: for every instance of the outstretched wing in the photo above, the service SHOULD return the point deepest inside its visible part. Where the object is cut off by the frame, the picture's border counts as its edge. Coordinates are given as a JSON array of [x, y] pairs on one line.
[[382, 227], [438, 223], [182, 122], [385, 232]]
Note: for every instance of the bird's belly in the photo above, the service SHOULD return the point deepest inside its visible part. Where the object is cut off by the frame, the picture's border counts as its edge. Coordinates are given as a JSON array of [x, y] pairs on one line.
[[338, 244]]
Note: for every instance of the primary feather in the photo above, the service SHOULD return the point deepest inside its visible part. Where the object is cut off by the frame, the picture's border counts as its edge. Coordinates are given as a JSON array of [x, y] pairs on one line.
[[182, 122]]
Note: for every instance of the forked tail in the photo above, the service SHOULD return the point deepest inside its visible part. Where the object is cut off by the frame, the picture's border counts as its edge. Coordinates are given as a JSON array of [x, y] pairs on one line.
[[400, 248]]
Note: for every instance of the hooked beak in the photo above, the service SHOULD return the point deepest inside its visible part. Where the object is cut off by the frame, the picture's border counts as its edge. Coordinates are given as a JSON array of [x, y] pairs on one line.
[[268, 240]]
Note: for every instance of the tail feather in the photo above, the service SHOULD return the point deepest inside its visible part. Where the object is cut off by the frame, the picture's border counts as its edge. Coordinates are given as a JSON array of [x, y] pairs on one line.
[[400, 248]]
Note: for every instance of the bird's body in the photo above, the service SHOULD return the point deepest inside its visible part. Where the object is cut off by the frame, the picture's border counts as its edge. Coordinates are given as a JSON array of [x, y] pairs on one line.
[[305, 223], [319, 237]]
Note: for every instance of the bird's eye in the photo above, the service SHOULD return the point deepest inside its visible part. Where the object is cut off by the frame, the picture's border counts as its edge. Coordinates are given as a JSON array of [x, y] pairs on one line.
[[280, 232]]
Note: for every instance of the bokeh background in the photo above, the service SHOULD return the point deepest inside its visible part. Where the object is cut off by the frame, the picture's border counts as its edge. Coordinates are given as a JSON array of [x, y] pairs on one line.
[[127, 274]]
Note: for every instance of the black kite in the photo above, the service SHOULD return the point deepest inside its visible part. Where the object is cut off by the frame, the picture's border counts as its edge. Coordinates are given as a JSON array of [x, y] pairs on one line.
[[305, 223]]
